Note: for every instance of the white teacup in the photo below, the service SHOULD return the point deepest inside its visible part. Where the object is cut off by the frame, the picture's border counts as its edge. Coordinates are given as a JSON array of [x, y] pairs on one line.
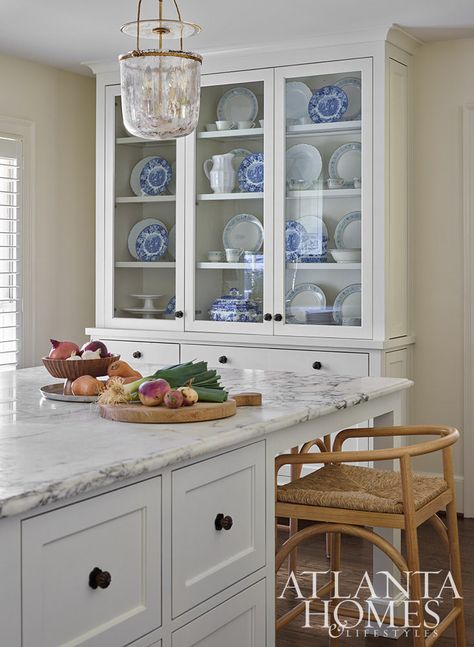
[[215, 256], [242, 125], [357, 182], [233, 255], [335, 183], [225, 125], [262, 123], [211, 127]]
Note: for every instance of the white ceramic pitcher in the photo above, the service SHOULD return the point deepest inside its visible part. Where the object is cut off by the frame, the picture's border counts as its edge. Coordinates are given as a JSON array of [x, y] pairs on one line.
[[222, 174]]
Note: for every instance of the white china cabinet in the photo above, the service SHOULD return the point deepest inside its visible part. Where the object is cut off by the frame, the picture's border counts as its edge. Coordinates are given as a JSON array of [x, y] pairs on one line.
[[298, 241]]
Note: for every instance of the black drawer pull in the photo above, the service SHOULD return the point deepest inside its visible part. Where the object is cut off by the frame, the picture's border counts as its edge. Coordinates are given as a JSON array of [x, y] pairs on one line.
[[267, 316], [222, 359], [99, 578], [137, 354], [317, 366], [222, 522], [179, 314], [278, 317]]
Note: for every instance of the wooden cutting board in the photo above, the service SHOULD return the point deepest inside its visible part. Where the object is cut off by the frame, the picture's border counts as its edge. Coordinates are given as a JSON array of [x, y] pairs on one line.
[[199, 412]]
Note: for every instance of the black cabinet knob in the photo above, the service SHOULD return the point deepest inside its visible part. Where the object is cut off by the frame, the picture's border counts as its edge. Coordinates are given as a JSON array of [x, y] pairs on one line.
[[137, 354], [223, 522], [179, 314], [99, 578], [222, 359], [267, 316], [278, 317], [317, 365]]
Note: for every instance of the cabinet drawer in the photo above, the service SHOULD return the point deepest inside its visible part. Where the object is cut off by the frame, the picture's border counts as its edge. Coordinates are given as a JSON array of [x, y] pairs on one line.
[[206, 560], [117, 532], [275, 359], [137, 352], [239, 622]]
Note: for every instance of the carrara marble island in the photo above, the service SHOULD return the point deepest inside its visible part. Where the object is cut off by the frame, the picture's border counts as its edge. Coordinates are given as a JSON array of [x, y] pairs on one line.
[[82, 498]]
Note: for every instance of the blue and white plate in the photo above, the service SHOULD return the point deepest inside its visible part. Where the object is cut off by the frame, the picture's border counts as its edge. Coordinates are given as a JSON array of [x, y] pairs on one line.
[[328, 104], [171, 306], [306, 240], [351, 86], [151, 176], [348, 231], [172, 242], [243, 231], [148, 240], [237, 104], [304, 299], [345, 163], [347, 306], [251, 173]]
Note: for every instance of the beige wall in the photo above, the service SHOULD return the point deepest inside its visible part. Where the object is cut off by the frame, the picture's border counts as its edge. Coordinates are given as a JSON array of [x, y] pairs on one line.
[[62, 107], [444, 81]]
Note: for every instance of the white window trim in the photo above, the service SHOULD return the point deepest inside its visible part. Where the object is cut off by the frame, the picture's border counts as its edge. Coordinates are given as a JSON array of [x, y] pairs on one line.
[[25, 130]]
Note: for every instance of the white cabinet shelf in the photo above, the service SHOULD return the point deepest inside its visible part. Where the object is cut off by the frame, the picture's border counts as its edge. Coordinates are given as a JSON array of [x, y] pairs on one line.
[[323, 193], [247, 133], [136, 265], [334, 128], [143, 199], [223, 266], [229, 196], [137, 141], [323, 266]]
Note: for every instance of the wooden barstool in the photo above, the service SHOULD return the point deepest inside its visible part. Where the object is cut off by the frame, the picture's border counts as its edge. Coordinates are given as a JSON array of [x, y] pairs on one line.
[[347, 499]]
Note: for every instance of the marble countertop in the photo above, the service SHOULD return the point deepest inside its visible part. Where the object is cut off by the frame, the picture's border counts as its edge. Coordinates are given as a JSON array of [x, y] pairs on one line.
[[51, 450]]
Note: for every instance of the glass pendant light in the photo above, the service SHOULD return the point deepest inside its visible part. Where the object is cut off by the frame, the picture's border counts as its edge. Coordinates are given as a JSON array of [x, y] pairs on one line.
[[160, 87]]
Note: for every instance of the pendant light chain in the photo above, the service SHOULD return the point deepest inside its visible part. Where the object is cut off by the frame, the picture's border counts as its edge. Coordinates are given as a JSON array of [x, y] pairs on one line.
[[160, 20]]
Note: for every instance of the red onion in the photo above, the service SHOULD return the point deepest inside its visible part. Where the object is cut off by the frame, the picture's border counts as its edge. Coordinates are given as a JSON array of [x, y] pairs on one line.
[[96, 345], [62, 349]]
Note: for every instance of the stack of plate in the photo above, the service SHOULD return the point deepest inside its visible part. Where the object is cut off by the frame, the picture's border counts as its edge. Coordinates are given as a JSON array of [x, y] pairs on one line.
[[306, 299], [328, 104], [234, 307], [321, 317]]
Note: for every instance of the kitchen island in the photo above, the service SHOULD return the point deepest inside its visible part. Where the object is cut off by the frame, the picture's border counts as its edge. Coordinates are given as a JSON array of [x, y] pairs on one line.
[[119, 534]]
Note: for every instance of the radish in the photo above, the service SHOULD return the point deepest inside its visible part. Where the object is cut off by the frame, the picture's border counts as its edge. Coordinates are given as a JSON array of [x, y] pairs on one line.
[[152, 392], [173, 399]]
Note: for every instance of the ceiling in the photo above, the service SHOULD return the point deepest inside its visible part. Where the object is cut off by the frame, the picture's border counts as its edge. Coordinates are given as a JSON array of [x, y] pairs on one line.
[[64, 33]]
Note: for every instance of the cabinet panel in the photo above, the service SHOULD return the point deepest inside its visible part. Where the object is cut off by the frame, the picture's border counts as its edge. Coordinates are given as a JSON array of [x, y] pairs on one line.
[[137, 352], [117, 532], [239, 622], [311, 361], [206, 559]]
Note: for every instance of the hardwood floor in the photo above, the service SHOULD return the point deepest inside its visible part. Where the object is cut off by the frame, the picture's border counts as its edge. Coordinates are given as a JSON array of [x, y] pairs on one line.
[[356, 558]]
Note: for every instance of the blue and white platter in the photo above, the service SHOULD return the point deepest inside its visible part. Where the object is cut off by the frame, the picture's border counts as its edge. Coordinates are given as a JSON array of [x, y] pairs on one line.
[[345, 163], [172, 243], [237, 104], [306, 240], [304, 299], [347, 306], [234, 307], [151, 176], [328, 104], [351, 86], [243, 231], [148, 240], [297, 95], [348, 231], [251, 173], [171, 306]]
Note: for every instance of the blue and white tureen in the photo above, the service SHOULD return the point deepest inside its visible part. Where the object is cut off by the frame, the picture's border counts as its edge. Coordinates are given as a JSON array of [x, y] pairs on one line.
[[234, 307]]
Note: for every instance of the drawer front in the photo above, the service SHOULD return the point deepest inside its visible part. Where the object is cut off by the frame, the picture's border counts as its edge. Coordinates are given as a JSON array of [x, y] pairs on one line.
[[206, 560], [119, 532], [239, 622], [137, 352], [275, 359]]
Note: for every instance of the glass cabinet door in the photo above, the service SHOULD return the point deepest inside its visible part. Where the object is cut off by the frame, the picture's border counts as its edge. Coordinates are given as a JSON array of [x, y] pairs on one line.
[[144, 205], [323, 200], [229, 224]]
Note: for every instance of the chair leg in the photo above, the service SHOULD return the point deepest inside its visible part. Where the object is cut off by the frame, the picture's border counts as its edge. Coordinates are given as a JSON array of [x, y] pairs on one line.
[[293, 556], [335, 554], [455, 566], [413, 554]]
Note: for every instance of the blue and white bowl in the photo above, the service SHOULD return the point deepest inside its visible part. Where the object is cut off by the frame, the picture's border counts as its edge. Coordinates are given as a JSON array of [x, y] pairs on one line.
[[251, 172], [234, 307], [328, 104]]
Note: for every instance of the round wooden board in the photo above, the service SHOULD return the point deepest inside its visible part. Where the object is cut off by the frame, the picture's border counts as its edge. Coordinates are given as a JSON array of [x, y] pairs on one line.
[[137, 413]]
